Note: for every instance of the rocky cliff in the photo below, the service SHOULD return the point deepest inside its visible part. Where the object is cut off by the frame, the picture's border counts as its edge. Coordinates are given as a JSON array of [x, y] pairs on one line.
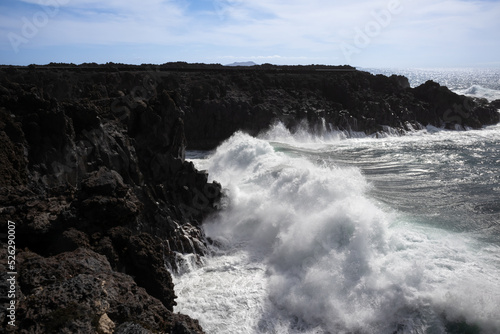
[[341, 98], [102, 200], [92, 172]]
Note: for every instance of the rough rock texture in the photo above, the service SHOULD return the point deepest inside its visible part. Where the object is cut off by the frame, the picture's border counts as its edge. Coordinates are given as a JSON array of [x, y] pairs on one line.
[[344, 100], [92, 172], [75, 174], [79, 292]]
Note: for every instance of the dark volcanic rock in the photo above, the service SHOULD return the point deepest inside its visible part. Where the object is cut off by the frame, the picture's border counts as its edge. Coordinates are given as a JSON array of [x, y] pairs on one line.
[[496, 104], [79, 292], [216, 106], [13, 167], [452, 109], [80, 173]]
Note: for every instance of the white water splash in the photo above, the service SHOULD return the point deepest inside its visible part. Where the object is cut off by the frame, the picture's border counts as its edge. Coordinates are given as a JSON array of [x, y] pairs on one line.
[[480, 92], [303, 249]]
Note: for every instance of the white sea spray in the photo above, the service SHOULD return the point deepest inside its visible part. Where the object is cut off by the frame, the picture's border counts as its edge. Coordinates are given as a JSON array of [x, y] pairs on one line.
[[305, 246]]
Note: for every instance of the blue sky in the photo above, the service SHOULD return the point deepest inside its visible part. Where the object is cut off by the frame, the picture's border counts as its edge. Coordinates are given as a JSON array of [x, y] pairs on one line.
[[375, 33]]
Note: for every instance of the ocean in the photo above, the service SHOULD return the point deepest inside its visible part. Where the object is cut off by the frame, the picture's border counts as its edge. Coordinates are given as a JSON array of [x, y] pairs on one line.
[[332, 232]]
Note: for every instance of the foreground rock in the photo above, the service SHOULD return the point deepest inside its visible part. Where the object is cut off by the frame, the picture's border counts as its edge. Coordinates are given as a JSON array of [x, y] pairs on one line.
[[79, 292], [75, 177]]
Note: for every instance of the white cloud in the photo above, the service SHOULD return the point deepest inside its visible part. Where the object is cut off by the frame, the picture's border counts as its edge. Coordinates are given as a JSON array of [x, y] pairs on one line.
[[295, 29]]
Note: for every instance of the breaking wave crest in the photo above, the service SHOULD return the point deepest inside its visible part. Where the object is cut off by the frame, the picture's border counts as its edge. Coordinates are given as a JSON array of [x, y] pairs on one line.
[[481, 92], [300, 247]]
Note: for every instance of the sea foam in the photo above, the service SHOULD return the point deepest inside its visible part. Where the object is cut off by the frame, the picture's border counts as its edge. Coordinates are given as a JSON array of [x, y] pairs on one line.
[[480, 92], [302, 248]]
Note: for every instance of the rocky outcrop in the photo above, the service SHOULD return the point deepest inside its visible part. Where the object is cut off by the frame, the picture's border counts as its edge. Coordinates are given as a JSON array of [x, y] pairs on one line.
[[342, 100], [93, 171], [105, 183], [79, 292], [455, 110]]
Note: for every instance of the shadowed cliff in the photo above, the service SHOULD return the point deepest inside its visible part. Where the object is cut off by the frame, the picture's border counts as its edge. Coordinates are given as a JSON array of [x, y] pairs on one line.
[[102, 203]]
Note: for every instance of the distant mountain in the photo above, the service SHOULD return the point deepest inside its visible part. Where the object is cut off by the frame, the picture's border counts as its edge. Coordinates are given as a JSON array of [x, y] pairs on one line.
[[244, 63]]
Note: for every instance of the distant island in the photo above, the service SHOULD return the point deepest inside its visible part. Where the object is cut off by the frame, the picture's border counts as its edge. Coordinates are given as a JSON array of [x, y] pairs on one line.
[[244, 63]]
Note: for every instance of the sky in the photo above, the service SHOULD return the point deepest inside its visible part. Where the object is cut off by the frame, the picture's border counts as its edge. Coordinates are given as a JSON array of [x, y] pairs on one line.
[[375, 33]]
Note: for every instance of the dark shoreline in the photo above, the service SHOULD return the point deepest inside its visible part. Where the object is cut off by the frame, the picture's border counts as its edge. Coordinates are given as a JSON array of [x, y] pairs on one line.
[[93, 171]]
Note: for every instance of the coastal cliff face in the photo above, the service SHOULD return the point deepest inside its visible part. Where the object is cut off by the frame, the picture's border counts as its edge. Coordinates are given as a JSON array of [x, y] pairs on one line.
[[102, 199], [343, 99], [92, 172]]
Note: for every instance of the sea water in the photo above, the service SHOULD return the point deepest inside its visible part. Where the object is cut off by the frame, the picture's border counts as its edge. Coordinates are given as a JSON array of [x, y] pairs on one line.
[[474, 82], [320, 233]]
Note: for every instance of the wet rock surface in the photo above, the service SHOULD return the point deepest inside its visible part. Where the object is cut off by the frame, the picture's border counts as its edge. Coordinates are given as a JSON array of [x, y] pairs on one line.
[[93, 172]]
